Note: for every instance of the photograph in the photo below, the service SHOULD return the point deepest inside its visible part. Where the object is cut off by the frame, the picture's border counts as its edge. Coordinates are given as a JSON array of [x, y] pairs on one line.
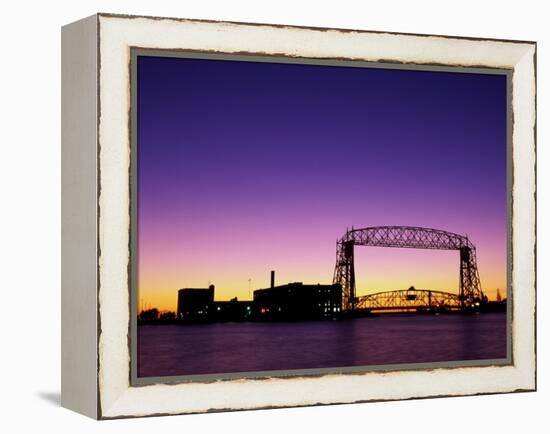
[[297, 216]]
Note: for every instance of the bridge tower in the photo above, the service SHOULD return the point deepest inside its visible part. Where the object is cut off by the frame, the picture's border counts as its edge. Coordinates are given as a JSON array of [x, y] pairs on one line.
[[469, 277], [344, 272]]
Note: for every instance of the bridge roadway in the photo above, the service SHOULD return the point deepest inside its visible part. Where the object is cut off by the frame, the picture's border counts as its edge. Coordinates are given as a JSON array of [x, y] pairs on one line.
[[411, 299]]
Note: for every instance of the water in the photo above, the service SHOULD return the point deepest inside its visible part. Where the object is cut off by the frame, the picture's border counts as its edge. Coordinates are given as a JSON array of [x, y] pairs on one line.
[[165, 350]]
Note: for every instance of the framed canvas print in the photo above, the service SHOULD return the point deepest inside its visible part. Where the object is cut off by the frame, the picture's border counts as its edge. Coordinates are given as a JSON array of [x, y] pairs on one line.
[[261, 216]]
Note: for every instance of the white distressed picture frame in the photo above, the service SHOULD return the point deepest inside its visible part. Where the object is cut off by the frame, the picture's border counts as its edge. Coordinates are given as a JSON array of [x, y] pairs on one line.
[[96, 352]]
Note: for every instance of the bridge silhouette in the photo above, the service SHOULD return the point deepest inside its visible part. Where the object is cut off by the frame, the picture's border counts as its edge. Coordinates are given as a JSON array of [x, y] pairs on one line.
[[469, 296]]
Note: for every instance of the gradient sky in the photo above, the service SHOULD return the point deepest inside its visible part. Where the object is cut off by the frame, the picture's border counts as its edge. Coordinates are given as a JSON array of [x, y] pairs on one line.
[[245, 167]]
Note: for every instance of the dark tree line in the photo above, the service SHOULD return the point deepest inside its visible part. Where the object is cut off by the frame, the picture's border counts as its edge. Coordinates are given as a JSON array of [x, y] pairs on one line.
[[155, 315]]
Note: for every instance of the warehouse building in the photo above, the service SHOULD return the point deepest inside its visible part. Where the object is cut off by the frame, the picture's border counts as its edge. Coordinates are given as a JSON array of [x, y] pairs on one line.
[[195, 304], [198, 305], [232, 310], [297, 301]]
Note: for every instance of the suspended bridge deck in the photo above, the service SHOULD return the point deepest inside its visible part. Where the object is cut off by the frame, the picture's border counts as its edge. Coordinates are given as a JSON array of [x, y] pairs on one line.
[[409, 300]]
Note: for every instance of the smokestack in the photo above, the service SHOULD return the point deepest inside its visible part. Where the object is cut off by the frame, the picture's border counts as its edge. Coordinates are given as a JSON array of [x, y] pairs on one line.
[[272, 278]]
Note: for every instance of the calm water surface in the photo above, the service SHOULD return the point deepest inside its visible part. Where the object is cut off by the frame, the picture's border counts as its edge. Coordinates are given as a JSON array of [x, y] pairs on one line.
[[165, 350]]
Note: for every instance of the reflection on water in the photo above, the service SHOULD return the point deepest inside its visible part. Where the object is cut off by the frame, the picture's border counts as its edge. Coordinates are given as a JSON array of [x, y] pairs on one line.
[[165, 350]]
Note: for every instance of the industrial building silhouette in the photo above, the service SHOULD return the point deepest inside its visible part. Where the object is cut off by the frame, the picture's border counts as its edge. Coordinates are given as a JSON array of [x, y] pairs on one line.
[[291, 302]]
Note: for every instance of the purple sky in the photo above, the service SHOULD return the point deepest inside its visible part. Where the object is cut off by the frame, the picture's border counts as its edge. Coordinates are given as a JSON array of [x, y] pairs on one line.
[[246, 167]]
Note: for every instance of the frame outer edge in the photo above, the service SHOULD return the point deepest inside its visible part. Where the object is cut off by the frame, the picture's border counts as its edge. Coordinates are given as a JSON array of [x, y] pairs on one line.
[[79, 146]]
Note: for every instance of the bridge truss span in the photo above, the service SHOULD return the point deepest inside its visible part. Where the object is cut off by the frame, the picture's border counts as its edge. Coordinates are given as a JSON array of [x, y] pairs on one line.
[[409, 300], [407, 237]]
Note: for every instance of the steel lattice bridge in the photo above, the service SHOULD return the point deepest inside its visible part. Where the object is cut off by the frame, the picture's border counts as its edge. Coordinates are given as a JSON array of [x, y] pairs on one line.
[[470, 293]]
